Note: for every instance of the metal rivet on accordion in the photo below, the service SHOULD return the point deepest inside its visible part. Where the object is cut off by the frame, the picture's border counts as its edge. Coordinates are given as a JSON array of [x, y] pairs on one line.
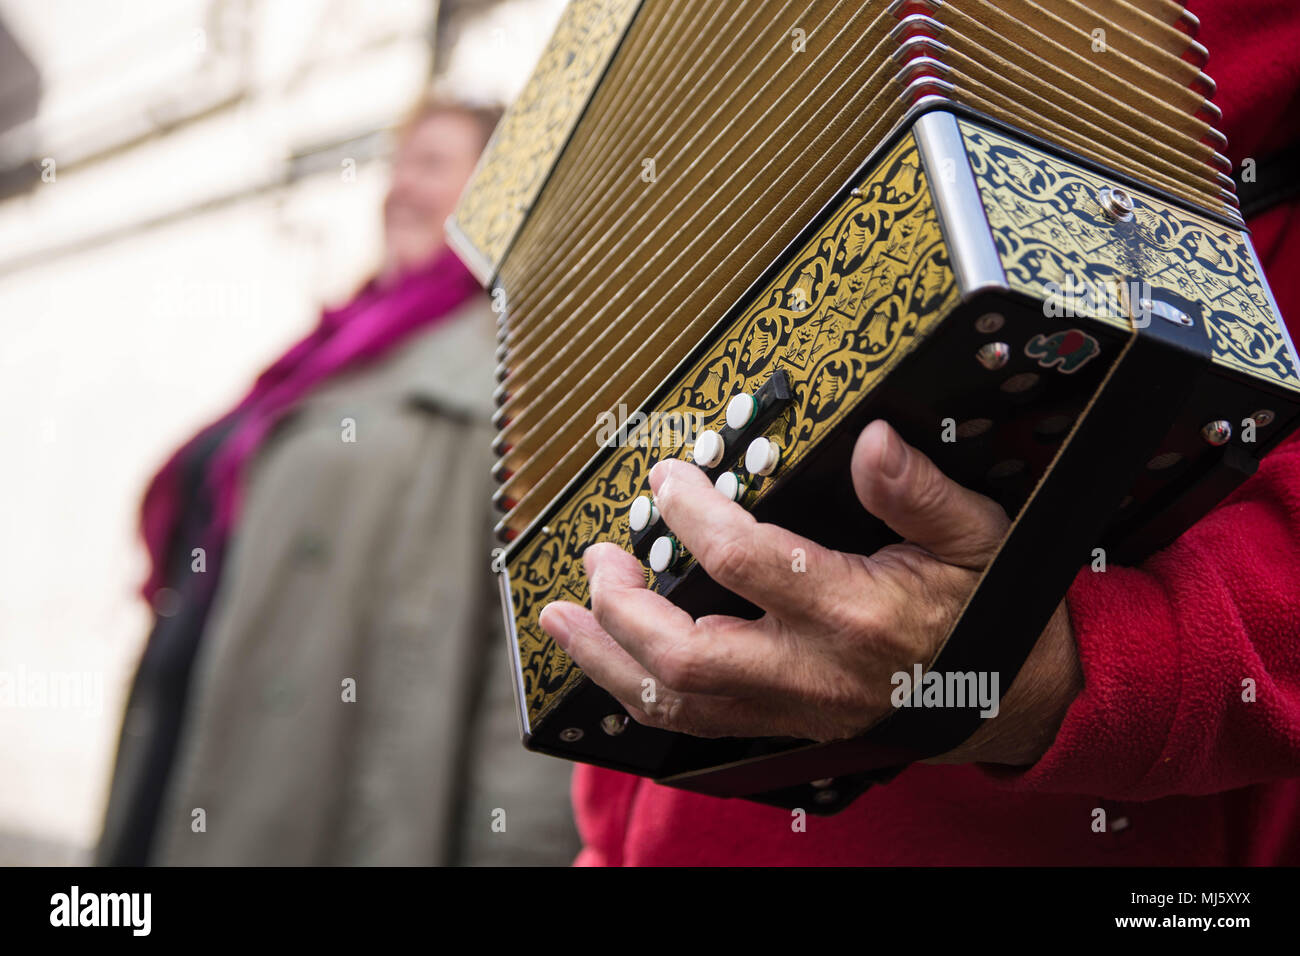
[[664, 553], [730, 486], [741, 410], [642, 513], [989, 322], [1264, 417], [994, 355], [855, 192], [614, 724], [709, 448], [571, 734], [1217, 433], [762, 456], [1115, 203]]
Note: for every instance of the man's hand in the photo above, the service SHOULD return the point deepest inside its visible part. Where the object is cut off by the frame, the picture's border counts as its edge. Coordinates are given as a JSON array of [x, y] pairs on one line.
[[819, 664]]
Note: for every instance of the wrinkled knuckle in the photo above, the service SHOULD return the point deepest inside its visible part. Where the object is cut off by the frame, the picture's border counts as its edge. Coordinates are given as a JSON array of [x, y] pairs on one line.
[[663, 713], [881, 617], [681, 669], [880, 621], [921, 568], [930, 493], [729, 560], [849, 617]]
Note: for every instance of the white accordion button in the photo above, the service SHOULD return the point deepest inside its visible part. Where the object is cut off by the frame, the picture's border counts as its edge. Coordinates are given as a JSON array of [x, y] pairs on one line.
[[642, 514], [728, 484], [709, 448], [741, 411], [761, 456], [662, 554]]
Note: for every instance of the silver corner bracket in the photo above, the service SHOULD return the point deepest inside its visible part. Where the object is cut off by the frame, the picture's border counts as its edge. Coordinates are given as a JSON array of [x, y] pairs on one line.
[[957, 202]]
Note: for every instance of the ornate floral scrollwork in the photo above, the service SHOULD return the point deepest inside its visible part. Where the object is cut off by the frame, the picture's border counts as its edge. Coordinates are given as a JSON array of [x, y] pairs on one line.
[[532, 134], [1050, 230]]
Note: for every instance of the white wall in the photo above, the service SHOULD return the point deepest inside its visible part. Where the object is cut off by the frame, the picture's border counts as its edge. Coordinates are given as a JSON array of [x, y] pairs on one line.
[[136, 304]]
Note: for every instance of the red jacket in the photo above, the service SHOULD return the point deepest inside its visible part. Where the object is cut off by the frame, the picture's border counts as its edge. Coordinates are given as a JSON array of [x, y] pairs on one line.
[[1160, 737]]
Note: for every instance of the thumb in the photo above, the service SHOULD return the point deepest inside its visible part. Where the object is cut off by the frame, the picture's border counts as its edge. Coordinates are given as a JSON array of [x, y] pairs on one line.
[[905, 490]]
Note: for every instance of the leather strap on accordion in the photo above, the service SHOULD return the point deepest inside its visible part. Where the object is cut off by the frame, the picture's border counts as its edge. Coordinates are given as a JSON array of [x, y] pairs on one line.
[[1117, 434]]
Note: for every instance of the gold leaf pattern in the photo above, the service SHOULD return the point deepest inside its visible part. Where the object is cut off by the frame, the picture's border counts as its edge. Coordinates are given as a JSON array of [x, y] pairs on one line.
[[1049, 227], [532, 134]]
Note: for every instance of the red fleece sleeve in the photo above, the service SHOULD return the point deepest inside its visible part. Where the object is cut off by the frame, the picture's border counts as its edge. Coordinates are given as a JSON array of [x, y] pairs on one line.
[[1168, 650]]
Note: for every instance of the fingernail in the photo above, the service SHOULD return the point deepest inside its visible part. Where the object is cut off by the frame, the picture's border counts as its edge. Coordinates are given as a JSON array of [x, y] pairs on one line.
[[552, 622], [657, 475], [893, 459]]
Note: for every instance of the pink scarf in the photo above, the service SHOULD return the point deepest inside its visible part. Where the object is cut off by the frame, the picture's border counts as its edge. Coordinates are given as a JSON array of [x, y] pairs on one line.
[[374, 322]]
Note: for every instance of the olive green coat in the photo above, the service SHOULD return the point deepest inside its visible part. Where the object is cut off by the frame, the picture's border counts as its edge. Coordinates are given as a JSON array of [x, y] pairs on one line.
[[351, 700]]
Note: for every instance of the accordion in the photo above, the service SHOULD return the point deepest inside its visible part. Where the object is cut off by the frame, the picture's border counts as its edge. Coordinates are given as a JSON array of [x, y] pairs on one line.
[[735, 233]]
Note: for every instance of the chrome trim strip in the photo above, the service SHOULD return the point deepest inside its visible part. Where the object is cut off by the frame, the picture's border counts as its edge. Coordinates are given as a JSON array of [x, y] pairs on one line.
[[475, 261], [512, 640], [974, 257]]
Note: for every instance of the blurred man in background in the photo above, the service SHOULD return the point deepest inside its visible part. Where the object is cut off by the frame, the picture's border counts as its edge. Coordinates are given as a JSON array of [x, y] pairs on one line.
[[324, 683]]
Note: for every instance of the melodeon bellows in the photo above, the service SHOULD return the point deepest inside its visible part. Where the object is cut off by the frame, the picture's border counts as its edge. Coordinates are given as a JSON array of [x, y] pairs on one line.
[[741, 231]]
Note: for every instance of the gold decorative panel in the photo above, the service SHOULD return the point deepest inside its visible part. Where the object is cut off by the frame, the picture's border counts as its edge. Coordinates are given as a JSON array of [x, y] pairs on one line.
[[1052, 234], [533, 132]]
